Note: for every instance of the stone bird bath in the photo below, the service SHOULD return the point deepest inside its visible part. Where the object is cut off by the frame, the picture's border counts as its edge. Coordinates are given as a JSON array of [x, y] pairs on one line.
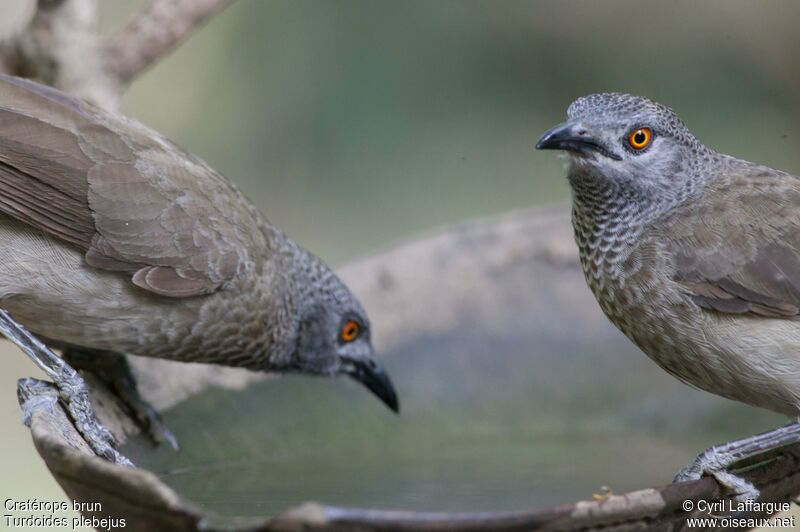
[[518, 398]]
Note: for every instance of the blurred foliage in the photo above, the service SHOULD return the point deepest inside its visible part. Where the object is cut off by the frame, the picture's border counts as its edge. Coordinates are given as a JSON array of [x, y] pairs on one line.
[[354, 122]]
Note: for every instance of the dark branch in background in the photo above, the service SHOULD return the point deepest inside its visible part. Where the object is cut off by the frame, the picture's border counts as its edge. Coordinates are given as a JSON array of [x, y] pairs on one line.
[[60, 45]]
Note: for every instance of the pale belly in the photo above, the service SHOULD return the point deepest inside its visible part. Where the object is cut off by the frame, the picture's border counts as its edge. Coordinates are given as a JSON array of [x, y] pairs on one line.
[[754, 360], [47, 287]]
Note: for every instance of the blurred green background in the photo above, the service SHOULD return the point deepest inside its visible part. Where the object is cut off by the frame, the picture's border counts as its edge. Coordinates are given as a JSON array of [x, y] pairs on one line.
[[355, 123]]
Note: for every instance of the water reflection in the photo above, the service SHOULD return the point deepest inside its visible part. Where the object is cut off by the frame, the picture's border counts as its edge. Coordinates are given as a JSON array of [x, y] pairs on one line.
[[505, 419]]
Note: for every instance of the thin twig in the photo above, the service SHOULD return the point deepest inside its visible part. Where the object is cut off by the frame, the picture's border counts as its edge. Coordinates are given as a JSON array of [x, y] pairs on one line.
[[154, 32]]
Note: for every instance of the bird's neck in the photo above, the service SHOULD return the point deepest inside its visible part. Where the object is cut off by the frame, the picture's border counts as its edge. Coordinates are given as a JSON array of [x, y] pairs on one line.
[[605, 219], [266, 300], [608, 217], [606, 210]]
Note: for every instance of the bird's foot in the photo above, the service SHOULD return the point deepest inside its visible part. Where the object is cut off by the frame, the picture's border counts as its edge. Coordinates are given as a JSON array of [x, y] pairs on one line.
[[151, 423], [715, 464], [71, 388], [716, 460], [35, 394], [74, 393], [113, 369]]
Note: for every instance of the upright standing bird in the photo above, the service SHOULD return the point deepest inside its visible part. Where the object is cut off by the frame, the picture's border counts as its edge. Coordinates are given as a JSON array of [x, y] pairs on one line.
[[115, 240], [693, 254]]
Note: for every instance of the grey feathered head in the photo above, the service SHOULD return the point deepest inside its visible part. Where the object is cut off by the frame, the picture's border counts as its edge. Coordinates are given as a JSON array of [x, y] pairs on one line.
[[334, 331], [629, 142]]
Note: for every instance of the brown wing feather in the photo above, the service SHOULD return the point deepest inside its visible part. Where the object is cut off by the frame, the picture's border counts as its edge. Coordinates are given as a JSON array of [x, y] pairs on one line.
[[738, 250], [133, 201]]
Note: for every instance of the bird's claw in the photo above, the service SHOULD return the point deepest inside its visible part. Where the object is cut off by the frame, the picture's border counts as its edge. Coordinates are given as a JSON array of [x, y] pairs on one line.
[[113, 369], [742, 489], [715, 462], [35, 394], [151, 423], [96, 435], [75, 395]]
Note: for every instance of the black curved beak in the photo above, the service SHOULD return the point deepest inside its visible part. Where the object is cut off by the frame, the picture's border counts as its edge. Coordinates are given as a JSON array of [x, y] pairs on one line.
[[375, 378], [573, 137]]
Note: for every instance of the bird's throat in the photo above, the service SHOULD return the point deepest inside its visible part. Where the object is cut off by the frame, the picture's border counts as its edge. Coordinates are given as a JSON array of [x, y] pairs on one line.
[[606, 219]]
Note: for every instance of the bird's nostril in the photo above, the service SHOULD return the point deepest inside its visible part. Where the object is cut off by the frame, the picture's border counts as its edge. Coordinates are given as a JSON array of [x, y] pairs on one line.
[[582, 132]]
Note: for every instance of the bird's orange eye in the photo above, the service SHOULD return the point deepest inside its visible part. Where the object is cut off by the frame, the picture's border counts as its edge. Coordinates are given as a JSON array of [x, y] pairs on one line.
[[640, 138], [350, 331]]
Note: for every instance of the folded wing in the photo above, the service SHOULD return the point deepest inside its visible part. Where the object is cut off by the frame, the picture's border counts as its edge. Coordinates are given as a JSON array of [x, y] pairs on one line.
[[741, 255], [132, 200]]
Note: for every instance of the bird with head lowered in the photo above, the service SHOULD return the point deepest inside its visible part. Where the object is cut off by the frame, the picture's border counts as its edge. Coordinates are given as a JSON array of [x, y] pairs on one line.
[[115, 240], [693, 254]]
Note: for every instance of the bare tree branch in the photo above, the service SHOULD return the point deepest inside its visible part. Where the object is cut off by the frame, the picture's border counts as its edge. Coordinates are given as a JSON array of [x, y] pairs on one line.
[[59, 48], [154, 31]]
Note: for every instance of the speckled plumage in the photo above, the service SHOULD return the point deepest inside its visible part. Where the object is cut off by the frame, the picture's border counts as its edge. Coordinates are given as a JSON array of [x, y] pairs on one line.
[[693, 254], [112, 238]]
